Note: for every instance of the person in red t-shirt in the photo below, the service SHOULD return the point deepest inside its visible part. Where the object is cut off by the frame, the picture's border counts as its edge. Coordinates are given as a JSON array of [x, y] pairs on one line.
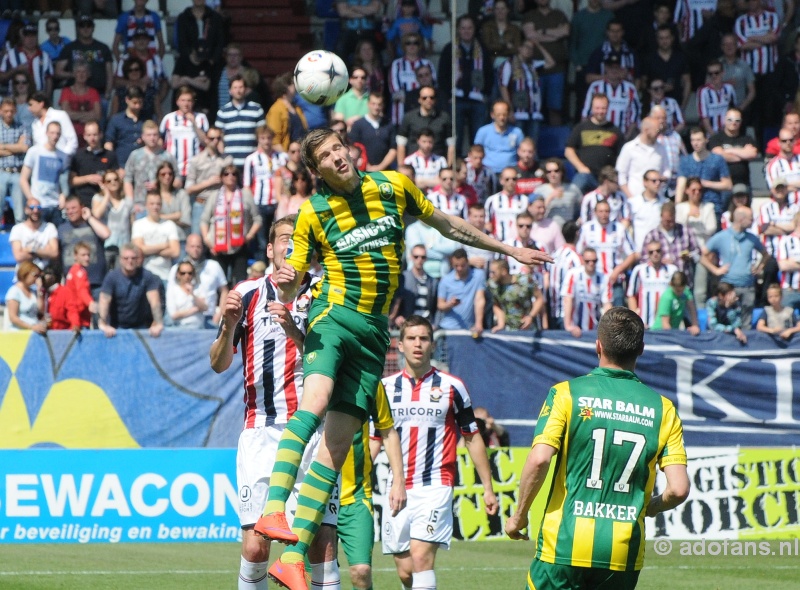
[[80, 305], [791, 120], [80, 101], [56, 303]]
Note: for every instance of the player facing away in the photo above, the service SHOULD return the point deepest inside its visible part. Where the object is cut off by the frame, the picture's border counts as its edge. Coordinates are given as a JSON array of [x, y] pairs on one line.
[[608, 431], [429, 407], [270, 328], [356, 524], [355, 224]]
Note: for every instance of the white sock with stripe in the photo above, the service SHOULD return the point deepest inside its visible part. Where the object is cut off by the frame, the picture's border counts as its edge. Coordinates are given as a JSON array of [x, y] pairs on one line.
[[326, 575], [253, 576]]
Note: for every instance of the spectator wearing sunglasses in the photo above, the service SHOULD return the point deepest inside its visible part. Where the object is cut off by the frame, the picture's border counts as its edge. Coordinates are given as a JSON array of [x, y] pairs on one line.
[[34, 239], [87, 49], [55, 42]]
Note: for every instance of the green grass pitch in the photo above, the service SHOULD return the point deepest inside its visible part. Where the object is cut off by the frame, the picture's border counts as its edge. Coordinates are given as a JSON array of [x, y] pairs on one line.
[[467, 566]]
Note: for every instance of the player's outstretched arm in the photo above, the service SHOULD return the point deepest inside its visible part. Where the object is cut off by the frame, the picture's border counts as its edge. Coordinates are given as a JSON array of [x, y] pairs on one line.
[[533, 475], [460, 230], [394, 453], [221, 353], [677, 491], [477, 452]]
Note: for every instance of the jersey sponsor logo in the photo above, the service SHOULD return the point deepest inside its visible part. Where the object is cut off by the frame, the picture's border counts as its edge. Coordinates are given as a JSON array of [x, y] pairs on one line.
[[598, 403], [545, 411], [386, 190], [375, 234], [436, 394], [303, 302], [586, 414], [603, 510], [245, 493], [325, 215], [311, 357]]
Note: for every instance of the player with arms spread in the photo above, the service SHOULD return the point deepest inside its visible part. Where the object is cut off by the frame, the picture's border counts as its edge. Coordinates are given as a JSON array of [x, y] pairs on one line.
[[270, 328], [609, 430], [355, 225]]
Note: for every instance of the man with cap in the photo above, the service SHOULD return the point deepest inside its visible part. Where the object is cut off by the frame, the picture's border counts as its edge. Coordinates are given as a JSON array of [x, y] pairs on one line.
[[28, 57], [154, 67], [624, 108], [785, 165], [87, 49], [212, 31]]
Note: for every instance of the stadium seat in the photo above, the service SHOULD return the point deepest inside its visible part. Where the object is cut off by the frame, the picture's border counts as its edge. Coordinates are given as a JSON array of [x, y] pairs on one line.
[[127, 5], [757, 313], [702, 319], [441, 36], [326, 9], [169, 64], [7, 278], [552, 141], [66, 26], [6, 255], [175, 7], [104, 30]]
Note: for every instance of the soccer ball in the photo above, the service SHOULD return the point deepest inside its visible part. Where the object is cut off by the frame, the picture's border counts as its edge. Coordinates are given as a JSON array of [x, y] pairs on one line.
[[321, 77]]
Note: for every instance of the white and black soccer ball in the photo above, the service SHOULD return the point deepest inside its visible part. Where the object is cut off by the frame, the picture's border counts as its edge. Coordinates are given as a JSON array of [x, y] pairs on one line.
[[321, 77]]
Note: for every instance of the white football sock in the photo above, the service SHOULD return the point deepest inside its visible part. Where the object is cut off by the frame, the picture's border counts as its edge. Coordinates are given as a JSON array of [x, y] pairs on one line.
[[253, 576], [424, 580], [326, 575]]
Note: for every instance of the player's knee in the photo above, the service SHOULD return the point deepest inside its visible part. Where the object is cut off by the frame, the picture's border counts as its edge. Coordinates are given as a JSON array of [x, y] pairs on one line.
[[361, 575], [323, 547], [254, 547]]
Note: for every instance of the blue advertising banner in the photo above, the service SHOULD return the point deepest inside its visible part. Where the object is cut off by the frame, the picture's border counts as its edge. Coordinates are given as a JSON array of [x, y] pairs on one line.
[[727, 394], [130, 496]]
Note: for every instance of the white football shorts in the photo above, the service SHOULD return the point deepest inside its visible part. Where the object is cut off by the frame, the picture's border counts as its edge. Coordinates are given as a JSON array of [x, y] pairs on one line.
[[428, 516]]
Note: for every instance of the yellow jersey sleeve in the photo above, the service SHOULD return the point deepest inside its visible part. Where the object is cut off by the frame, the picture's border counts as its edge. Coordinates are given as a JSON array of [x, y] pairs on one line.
[[382, 419], [304, 240], [416, 203], [670, 437], [553, 417]]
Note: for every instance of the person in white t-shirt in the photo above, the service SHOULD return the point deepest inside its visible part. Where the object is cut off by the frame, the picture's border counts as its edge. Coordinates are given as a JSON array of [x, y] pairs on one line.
[[211, 281], [34, 239], [185, 303], [157, 239]]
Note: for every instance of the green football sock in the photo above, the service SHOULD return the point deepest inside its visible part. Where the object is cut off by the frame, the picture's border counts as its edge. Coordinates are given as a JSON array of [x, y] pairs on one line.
[[299, 431], [311, 504]]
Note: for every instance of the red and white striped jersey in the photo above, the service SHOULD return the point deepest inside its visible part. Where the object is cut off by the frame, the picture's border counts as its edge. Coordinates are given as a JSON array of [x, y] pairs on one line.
[[589, 293], [259, 168], [647, 284], [762, 59], [713, 104], [180, 137], [772, 212], [482, 181], [427, 412], [403, 78], [624, 108], [272, 364], [789, 249], [425, 167], [787, 168], [564, 259], [523, 88], [39, 66], [620, 208], [689, 15], [725, 223], [455, 204], [612, 243], [149, 21], [154, 68], [501, 213]]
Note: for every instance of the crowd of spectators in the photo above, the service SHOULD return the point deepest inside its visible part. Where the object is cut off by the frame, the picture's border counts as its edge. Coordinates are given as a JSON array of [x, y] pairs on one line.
[[649, 206]]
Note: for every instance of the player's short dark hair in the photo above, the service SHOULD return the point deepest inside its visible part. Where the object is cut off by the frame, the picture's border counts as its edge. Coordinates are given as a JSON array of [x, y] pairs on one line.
[[570, 232], [621, 334], [72, 198], [502, 263], [607, 173], [476, 207], [679, 279], [312, 140], [426, 132], [134, 92], [524, 215], [694, 130], [668, 207], [273, 230], [413, 321], [280, 85], [186, 90]]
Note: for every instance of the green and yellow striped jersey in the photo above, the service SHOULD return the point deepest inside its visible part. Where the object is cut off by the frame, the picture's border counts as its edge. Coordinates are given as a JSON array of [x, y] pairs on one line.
[[357, 469], [359, 240], [610, 430]]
